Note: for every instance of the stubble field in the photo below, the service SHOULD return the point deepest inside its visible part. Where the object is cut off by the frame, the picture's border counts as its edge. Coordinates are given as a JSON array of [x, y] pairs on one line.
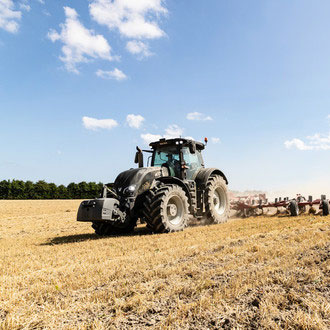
[[270, 272]]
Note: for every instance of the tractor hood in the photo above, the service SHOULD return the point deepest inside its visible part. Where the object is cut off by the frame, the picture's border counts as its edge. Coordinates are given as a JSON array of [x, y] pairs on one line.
[[137, 180]]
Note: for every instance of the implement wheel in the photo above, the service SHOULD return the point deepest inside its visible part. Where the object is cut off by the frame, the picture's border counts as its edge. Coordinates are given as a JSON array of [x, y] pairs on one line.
[[293, 208], [166, 209], [325, 207]]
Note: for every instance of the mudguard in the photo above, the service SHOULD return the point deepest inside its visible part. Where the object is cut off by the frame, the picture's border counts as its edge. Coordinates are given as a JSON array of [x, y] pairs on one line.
[[201, 179], [174, 180], [203, 175]]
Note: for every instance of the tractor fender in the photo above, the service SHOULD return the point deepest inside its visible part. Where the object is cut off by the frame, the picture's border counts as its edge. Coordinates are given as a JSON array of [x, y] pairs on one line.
[[204, 174], [174, 180]]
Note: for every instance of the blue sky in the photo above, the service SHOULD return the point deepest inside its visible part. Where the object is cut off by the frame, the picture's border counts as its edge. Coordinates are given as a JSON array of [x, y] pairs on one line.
[[252, 76]]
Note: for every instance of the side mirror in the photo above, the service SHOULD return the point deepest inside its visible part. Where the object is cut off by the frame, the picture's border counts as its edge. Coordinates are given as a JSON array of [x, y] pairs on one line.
[[139, 157], [192, 147]]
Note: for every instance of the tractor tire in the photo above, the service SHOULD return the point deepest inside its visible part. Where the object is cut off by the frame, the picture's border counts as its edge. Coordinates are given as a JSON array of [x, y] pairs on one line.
[[294, 208], [325, 207], [216, 201], [166, 209], [102, 228], [108, 229]]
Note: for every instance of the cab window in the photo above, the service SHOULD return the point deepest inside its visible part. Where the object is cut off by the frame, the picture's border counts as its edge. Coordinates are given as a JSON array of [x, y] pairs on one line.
[[168, 157], [193, 161]]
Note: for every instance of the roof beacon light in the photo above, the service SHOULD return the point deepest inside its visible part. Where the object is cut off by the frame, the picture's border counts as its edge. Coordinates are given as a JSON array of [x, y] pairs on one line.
[[206, 140]]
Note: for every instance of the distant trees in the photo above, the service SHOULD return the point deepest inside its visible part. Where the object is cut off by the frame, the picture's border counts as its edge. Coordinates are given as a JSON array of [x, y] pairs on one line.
[[18, 189]]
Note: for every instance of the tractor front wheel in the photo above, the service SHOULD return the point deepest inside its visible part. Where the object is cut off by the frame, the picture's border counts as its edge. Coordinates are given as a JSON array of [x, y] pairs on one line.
[[107, 228], [166, 209], [102, 228]]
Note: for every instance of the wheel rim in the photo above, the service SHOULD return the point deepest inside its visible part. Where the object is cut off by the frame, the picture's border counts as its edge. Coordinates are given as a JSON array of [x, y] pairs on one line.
[[175, 210], [220, 200]]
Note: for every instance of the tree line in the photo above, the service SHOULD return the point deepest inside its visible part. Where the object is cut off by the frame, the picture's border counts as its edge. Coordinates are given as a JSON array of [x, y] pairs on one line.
[[18, 189]]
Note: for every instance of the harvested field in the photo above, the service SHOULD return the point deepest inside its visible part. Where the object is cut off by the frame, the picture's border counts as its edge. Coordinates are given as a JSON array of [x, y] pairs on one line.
[[271, 272]]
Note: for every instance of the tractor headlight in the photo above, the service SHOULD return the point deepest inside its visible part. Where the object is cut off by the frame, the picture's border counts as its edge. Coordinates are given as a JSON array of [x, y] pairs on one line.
[[129, 190]]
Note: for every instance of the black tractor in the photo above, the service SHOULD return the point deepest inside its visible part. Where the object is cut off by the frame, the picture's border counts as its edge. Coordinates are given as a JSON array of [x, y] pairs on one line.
[[176, 185]]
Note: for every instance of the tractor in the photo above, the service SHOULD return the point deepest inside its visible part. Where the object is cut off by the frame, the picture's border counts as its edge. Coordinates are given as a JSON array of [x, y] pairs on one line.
[[174, 186]]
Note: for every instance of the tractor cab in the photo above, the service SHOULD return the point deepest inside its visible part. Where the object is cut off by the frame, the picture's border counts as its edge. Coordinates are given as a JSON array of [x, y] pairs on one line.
[[181, 157]]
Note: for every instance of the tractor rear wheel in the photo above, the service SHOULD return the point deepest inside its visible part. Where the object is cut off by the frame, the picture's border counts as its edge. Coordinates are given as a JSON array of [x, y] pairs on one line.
[[216, 200], [107, 229], [166, 209]]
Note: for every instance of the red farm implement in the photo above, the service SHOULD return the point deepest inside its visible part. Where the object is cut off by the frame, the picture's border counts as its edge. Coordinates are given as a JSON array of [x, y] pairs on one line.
[[247, 206]]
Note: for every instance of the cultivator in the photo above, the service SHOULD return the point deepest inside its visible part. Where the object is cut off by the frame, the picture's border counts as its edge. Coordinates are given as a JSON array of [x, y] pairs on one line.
[[254, 205]]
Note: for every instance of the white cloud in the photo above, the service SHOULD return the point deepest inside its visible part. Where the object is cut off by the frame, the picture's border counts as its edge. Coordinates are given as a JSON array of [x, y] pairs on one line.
[[315, 142], [80, 45], [95, 124], [9, 17], [114, 74], [25, 6], [215, 140], [138, 48], [132, 18], [134, 121], [171, 132], [148, 138], [296, 143], [46, 12], [198, 116], [41, 1]]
